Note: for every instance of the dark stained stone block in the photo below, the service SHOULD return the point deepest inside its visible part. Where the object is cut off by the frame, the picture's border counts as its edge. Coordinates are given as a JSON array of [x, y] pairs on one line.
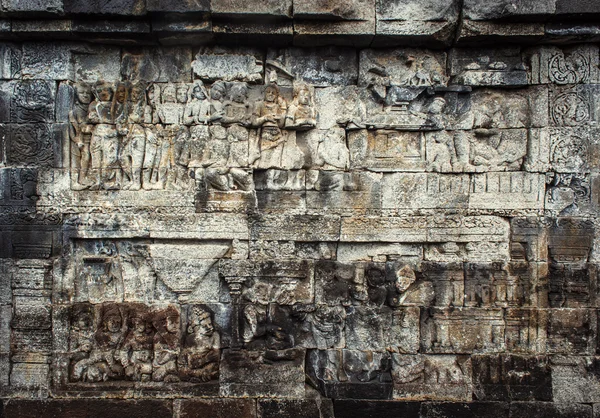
[[292, 408], [218, 408], [465, 410], [87, 408], [549, 410], [375, 409]]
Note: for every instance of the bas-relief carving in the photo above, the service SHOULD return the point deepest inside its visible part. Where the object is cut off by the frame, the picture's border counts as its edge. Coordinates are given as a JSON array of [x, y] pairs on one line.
[[395, 306], [139, 343]]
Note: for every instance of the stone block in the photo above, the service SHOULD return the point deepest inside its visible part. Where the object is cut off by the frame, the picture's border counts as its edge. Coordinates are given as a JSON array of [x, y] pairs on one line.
[[360, 408], [321, 67], [381, 329], [233, 32], [467, 410], [512, 378], [350, 374], [429, 377], [97, 64], [574, 106], [273, 9], [520, 191], [462, 330], [526, 330], [550, 410], [398, 67], [566, 65], [425, 191], [272, 227], [488, 67], [561, 339], [218, 408], [89, 407], [28, 7], [228, 64], [157, 65], [271, 408], [29, 376], [48, 61], [575, 379], [498, 9], [412, 22], [357, 33], [95, 7], [176, 6], [281, 373]]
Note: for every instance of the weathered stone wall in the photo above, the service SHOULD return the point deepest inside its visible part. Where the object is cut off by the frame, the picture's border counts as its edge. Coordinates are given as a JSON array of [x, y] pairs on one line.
[[317, 209]]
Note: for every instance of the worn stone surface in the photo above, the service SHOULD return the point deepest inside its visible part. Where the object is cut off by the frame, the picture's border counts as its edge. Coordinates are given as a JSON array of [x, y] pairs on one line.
[[326, 208]]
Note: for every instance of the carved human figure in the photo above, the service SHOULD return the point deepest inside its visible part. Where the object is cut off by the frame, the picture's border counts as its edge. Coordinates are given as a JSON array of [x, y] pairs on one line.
[[353, 112], [81, 336], [135, 354], [133, 143], [166, 345], [222, 159], [179, 159], [200, 354], [332, 152], [301, 114], [269, 117], [218, 92], [236, 109], [172, 107], [80, 133], [102, 363], [327, 324], [157, 157], [197, 110], [258, 330]]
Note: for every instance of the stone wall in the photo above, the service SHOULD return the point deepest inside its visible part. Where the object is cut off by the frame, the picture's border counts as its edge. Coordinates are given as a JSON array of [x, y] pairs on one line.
[[317, 209]]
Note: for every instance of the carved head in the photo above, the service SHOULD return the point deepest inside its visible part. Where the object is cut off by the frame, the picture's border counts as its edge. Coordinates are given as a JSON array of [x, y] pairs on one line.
[[82, 317], [153, 93], [198, 91], [218, 91], [103, 92], [112, 320], [405, 277], [182, 93], [302, 94], [200, 322], [84, 93], [137, 92], [239, 92], [437, 106], [271, 93], [121, 93], [169, 94], [166, 320]]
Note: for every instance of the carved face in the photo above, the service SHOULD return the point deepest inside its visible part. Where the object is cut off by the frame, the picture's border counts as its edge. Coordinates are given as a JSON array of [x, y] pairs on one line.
[[238, 94], [304, 97], [138, 325], [121, 94], [105, 93], [271, 94], [261, 291], [202, 324], [437, 106], [181, 94], [112, 323], [84, 95], [217, 93], [198, 93], [172, 324], [169, 94], [137, 94]]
